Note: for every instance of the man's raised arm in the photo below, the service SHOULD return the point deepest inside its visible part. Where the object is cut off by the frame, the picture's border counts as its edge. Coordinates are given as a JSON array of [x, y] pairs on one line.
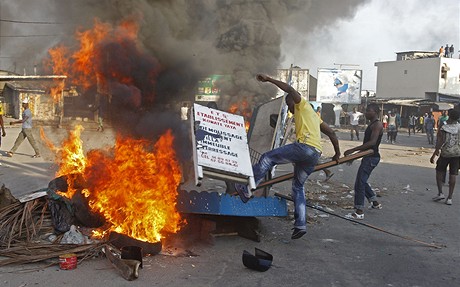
[[282, 85]]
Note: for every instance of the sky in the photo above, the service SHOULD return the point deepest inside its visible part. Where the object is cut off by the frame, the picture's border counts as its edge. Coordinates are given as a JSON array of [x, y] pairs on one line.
[[375, 33], [217, 36]]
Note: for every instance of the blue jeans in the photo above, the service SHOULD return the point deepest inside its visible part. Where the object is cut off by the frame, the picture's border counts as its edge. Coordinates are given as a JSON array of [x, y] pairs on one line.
[[362, 188], [304, 158]]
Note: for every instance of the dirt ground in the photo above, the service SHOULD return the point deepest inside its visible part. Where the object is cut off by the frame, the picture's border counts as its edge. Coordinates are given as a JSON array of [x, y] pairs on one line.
[[334, 252]]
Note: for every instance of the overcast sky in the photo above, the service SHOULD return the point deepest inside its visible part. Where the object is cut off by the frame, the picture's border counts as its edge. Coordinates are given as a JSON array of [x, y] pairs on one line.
[[378, 30]]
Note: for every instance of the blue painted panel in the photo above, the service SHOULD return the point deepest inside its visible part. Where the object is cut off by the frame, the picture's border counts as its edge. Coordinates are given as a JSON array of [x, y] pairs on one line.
[[225, 204]]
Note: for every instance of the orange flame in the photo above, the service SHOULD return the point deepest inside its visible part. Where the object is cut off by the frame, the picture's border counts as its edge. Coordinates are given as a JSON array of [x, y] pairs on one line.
[[92, 63], [134, 186], [242, 108]]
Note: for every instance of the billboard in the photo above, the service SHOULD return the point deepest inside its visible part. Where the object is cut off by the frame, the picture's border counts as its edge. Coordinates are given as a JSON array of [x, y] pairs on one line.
[[339, 86], [297, 78], [208, 90]]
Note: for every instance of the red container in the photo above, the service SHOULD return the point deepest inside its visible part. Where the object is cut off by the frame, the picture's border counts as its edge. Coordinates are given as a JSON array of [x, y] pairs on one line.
[[68, 261]]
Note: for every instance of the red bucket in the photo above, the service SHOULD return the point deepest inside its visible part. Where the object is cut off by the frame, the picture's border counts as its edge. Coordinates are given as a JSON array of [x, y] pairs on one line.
[[68, 261]]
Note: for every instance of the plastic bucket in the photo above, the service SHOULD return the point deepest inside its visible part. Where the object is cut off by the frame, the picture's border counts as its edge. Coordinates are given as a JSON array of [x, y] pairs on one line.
[[68, 261], [132, 252]]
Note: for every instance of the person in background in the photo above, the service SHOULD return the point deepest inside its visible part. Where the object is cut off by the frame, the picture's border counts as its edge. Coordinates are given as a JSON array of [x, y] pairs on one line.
[[26, 131], [328, 173], [442, 119], [448, 136], [303, 153], [446, 51], [184, 112], [354, 122], [451, 51], [392, 127], [412, 123], [385, 121], [429, 128], [372, 138], [100, 108], [421, 124], [318, 111]]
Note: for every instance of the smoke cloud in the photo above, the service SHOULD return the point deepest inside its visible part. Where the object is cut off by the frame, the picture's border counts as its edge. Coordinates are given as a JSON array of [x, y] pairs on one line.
[[189, 39]]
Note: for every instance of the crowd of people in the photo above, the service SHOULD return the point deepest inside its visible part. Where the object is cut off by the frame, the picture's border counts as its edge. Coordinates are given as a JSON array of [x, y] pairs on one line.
[[447, 51]]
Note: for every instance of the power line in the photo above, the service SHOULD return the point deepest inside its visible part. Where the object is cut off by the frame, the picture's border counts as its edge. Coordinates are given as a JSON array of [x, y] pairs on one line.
[[29, 22], [27, 36]]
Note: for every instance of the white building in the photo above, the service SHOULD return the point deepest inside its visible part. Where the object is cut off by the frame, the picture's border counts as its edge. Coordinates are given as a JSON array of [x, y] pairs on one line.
[[419, 75]]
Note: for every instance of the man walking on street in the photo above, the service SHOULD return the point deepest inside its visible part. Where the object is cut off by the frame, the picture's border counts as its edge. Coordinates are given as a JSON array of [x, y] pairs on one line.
[[303, 153], [26, 131], [372, 138]]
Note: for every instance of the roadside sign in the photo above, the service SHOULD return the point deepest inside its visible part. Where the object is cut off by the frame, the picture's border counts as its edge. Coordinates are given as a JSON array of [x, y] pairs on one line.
[[220, 146]]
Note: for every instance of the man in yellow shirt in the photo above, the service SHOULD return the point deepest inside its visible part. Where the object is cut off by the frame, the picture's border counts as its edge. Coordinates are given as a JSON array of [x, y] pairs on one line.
[[304, 153]]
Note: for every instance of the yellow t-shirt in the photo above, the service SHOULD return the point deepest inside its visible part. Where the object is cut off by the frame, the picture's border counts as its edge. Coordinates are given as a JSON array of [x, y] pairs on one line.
[[1, 109], [307, 124]]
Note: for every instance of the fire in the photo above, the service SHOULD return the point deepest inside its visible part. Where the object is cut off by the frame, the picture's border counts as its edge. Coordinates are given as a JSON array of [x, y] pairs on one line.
[[72, 160], [134, 185], [242, 108], [106, 54]]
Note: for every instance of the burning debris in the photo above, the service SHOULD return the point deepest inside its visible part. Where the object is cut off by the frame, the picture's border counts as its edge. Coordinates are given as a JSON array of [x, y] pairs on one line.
[[125, 195], [132, 186]]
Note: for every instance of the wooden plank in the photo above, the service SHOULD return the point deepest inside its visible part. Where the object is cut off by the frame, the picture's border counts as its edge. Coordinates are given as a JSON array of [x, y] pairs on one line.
[[317, 167]]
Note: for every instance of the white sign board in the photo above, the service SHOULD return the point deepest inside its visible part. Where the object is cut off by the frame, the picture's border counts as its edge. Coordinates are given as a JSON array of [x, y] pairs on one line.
[[220, 144], [339, 86], [297, 78]]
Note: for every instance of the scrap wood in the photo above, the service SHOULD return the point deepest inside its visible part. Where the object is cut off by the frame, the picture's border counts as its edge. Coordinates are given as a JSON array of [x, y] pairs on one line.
[[317, 167], [362, 223], [24, 221], [128, 268], [41, 252]]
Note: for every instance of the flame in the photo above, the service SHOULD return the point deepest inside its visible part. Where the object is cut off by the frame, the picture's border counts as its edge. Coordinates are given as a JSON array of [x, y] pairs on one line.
[[106, 53], [61, 63], [133, 186], [242, 108]]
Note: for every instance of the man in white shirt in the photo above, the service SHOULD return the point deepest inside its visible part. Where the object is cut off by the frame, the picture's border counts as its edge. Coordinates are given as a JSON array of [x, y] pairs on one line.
[[26, 131], [184, 112], [354, 121]]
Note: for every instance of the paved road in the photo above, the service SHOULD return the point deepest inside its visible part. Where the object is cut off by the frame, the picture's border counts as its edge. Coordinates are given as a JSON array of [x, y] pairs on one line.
[[333, 253]]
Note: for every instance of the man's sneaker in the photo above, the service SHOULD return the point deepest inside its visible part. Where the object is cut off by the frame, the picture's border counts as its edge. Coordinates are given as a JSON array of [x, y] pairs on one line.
[[378, 206], [243, 192], [439, 197], [297, 233], [449, 201], [355, 216]]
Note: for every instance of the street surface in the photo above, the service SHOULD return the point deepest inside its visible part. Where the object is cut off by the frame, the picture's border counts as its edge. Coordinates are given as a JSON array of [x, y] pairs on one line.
[[334, 252]]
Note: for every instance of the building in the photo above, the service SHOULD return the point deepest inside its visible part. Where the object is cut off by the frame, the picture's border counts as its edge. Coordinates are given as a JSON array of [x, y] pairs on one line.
[[38, 90], [419, 75]]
